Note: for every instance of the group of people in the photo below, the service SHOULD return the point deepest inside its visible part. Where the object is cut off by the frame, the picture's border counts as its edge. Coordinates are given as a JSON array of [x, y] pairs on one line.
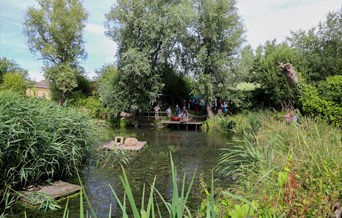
[[181, 113], [291, 116]]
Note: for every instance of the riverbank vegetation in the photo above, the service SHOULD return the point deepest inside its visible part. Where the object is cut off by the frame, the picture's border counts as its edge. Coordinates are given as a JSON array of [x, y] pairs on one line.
[[284, 170], [189, 52], [39, 141]]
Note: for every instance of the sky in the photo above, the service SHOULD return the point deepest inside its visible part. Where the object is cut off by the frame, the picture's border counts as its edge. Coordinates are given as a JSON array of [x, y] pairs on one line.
[[263, 19]]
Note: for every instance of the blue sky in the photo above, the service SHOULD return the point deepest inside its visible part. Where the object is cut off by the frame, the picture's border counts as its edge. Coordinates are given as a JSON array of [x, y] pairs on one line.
[[263, 19]]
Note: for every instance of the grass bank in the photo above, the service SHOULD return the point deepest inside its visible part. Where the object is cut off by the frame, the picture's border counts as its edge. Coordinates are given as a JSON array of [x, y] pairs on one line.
[[284, 170]]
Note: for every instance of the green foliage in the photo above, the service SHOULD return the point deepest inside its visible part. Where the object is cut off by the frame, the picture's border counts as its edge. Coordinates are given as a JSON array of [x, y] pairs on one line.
[[176, 86], [209, 48], [134, 88], [246, 122], [94, 107], [274, 88], [288, 170], [216, 39], [40, 140], [321, 47], [217, 124], [15, 82], [63, 77], [324, 102], [144, 49], [54, 31], [176, 208], [10, 66]]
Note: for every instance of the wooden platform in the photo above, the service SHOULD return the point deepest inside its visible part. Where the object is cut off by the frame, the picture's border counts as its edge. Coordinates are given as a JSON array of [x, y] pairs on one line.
[[58, 189], [113, 145], [187, 124]]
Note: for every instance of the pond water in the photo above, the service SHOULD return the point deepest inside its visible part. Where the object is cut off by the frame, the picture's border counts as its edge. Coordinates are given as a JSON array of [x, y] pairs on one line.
[[192, 152]]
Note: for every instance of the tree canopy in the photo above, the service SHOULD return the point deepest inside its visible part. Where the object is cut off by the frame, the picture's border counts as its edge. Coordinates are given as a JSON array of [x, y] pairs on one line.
[[10, 66], [54, 32], [159, 35]]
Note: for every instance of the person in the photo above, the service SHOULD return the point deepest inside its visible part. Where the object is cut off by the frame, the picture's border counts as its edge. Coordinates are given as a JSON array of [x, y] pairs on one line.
[[295, 116], [224, 107], [288, 117], [184, 114], [156, 111], [169, 112], [177, 110]]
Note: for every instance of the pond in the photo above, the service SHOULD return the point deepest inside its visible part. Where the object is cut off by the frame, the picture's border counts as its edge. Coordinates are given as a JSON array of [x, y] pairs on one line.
[[192, 152]]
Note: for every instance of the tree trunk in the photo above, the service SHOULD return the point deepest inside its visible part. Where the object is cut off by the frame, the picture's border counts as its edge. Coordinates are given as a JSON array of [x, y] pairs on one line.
[[209, 111], [61, 99]]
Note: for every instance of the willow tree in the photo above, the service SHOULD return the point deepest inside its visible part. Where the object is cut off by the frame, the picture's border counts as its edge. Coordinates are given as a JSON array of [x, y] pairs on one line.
[[54, 33], [216, 37], [146, 33]]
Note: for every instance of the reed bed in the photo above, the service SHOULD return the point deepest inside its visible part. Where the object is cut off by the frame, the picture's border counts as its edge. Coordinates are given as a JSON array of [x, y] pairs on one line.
[[39, 140], [286, 170]]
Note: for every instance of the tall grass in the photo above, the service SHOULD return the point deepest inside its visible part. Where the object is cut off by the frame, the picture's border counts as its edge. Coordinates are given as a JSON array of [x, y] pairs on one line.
[[154, 203], [246, 122], [39, 140], [297, 172]]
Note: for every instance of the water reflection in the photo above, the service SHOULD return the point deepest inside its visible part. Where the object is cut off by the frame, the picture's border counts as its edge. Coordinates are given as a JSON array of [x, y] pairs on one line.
[[192, 152]]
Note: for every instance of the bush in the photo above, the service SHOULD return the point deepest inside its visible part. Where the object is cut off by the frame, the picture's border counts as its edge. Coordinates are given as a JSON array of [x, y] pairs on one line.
[[15, 82], [39, 140], [324, 102], [288, 170], [246, 122], [94, 107]]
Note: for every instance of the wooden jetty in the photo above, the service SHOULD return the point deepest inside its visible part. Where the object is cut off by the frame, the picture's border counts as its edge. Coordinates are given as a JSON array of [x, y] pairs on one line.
[[182, 123], [56, 190]]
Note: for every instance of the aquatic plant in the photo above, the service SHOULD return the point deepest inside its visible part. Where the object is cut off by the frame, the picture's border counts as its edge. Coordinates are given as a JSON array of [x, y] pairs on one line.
[[289, 170], [39, 140]]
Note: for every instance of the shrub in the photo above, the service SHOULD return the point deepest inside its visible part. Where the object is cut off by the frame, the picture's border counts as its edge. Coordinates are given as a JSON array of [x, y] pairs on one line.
[[324, 102], [94, 107], [39, 140], [288, 170], [15, 82]]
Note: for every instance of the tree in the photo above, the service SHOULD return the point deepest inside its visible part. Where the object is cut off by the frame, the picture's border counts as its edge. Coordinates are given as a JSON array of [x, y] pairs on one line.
[[321, 47], [10, 66], [54, 32], [217, 35], [275, 91], [146, 32], [15, 82]]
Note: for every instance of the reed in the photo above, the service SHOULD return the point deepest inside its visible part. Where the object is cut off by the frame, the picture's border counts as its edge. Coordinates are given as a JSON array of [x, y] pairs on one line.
[[288, 170], [39, 140]]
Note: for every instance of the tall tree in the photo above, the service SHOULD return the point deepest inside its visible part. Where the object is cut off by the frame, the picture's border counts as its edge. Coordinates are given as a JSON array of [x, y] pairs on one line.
[[217, 34], [54, 32], [146, 32], [275, 91], [321, 47]]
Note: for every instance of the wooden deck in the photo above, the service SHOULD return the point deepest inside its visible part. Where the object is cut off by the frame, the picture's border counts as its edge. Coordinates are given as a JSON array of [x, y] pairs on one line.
[[180, 123], [56, 190]]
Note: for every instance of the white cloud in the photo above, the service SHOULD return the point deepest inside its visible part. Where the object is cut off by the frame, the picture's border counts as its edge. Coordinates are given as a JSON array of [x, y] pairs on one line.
[[94, 28], [268, 19]]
